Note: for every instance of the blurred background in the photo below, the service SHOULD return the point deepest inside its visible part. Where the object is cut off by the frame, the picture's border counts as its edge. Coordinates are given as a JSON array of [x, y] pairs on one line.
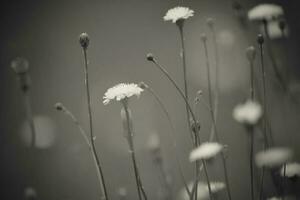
[[121, 34]]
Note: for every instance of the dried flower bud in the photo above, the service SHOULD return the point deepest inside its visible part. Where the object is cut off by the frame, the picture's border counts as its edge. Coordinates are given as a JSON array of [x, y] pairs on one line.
[[199, 92], [260, 39], [84, 40], [210, 22], [203, 37], [20, 65], [59, 106], [143, 85], [250, 53], [150, 57]]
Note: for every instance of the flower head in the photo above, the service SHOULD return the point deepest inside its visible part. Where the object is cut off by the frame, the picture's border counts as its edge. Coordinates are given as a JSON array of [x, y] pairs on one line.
[[265, 12], [121, 91], [206, 151], [273, 157], [291, 170], [178, 13], [20, 65], [202, 190], [248, 113]]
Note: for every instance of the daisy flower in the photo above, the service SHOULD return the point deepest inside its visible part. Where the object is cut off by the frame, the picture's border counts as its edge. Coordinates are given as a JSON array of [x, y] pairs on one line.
[[216, 186], [178, 13], [248, 113], [273, 157], [265, 12], [291, 170], [121, 91], [206, 151]]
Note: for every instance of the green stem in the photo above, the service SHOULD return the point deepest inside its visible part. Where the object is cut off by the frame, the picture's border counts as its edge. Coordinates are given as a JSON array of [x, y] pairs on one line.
[[68, 113], [29, 116], [139, 184], [214, 119], [179, 167], [207, 179], [92, 137]]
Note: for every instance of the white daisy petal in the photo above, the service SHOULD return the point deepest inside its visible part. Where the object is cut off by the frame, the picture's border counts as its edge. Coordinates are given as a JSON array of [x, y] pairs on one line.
[[121, 91], [206, 151], [178, 13]]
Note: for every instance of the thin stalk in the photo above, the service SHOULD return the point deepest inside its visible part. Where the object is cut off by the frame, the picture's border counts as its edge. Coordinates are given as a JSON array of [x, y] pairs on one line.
[[139, 184], [179, 167], [207, 179], [264, 99], [92, 137], [251, 135], [273, 61], [68, 113], [165, 180], [261, 187], [177, 88], [217, 84], [214, 123], [29, 116], [283, 185], [180, 26]]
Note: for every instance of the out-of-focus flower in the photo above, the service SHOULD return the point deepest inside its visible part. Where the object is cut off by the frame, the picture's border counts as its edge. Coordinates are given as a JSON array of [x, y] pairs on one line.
[[274, 30], [121, 91], [216, 186], [178, 13], [20, 65], [206, 151], [153, 143], [273, 157], [275, 198], [291, 170], [46, 132], [265, 12], [122, 193], [248, 113], [203, 193], [30, 193]]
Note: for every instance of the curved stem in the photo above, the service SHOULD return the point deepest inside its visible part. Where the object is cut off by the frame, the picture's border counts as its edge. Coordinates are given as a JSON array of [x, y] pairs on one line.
[[153, 93], [177, 88], [92, 137]]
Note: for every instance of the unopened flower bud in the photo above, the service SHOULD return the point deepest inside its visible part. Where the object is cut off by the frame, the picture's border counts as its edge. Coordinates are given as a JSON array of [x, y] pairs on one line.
[[203, 37], [59, 106], [260, 39], [143, 85], [20, 65], [84, 40], [150, 57], [210, 22], [250, 53]]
